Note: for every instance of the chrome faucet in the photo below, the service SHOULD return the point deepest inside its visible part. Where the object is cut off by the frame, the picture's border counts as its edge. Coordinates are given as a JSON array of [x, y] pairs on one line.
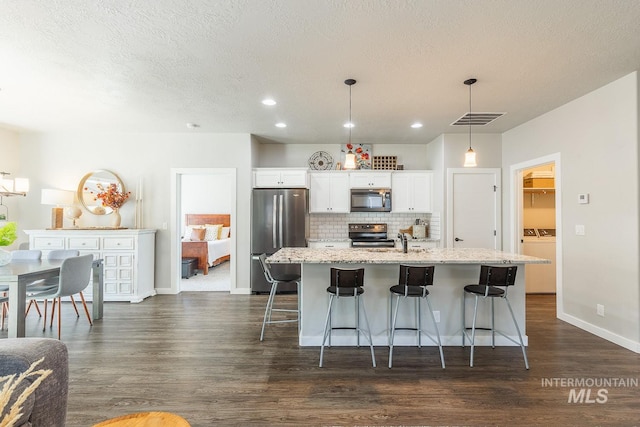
[[403, 239]]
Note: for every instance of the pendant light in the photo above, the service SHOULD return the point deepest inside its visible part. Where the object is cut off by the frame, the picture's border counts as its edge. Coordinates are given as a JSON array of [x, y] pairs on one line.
[[470, 155], [349, 158]]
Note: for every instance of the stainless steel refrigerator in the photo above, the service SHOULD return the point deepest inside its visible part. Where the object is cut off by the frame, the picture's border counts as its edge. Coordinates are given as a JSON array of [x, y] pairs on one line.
[[280, 218]]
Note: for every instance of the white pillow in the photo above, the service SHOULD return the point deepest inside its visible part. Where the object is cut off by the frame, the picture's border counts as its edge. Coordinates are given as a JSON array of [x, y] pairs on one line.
[[212, 232], [224, 232]]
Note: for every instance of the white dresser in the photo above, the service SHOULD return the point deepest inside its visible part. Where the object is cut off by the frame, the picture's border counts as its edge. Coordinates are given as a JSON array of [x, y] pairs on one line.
[[128, 256]]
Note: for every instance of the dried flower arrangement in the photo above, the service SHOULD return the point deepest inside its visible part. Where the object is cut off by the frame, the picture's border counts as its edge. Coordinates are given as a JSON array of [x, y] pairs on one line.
[[11, 383], [111, 197]]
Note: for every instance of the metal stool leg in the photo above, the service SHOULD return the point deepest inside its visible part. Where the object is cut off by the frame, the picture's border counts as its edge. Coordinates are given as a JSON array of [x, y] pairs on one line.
[[393, 330], [327, 330], [419, 326], [357, 323], [299, 287], [267, 310], [473, 331], [433, 318], [366, 321], [390, 315], [464, 322], [493, 326], [524, 351]]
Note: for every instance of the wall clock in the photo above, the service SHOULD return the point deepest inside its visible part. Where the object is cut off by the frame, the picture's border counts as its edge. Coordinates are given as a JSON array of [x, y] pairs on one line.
[[320, 160]]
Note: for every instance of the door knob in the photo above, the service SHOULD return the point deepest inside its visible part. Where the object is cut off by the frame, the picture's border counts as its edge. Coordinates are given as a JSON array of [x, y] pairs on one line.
[[458, 239]]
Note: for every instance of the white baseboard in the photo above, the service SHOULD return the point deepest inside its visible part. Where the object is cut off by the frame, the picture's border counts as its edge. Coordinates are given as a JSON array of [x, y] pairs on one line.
[[600, 332]]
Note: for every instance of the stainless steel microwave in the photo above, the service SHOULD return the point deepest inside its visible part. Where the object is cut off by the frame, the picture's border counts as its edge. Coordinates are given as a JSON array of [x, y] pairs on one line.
[[371, 200]]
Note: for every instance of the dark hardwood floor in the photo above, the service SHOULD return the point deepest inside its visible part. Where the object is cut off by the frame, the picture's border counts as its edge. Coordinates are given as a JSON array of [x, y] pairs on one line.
[[199, 355]]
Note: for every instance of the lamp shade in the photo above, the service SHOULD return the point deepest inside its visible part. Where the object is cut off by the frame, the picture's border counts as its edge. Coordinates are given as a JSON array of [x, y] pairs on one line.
[[470, 159], [350, 160], [56, 197]]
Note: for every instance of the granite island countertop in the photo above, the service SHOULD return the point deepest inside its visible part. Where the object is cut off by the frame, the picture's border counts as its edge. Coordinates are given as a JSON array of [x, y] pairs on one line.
[[396, 256]]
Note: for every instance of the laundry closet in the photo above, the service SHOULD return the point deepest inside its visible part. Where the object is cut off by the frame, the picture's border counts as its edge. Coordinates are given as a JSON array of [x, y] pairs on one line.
[[539, 223]]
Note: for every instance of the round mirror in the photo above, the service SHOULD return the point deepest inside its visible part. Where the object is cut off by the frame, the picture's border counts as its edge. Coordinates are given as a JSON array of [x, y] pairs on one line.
[[93, 183]]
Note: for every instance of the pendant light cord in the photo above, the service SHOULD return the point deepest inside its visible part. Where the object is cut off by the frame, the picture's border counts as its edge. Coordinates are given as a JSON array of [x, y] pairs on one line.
[[469, 121], [469, 82], [350, 122]]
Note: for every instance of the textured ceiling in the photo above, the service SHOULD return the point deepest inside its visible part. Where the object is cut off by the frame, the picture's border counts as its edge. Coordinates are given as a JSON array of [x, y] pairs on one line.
[[155, 65]]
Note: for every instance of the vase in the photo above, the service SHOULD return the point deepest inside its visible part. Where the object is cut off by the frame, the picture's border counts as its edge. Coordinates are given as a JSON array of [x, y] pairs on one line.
[[115, 220], [5, 257]]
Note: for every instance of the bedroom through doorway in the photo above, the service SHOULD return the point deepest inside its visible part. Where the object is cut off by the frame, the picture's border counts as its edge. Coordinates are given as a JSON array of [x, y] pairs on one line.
[[205, 230]]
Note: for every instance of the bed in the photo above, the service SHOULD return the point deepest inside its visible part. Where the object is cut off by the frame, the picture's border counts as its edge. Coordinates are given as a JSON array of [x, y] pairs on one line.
[[209, 253]]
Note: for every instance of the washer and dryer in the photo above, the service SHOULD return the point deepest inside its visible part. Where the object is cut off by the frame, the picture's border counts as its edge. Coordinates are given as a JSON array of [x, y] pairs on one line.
[[540, 242]]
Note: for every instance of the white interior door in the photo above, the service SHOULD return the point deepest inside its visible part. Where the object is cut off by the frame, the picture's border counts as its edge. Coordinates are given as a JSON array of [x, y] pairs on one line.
[[473, 208]]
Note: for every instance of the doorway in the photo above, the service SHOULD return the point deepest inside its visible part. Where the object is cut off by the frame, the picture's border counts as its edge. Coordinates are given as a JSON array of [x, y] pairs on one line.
[[473, 208], [536, 214], [203, 191]]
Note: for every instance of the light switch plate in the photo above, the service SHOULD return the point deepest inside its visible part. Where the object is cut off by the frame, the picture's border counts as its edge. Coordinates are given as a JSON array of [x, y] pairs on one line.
[[583, 198], [579, 230]]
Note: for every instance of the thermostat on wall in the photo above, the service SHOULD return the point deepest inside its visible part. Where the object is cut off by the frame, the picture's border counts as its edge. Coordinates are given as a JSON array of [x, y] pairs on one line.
[[583, 199]]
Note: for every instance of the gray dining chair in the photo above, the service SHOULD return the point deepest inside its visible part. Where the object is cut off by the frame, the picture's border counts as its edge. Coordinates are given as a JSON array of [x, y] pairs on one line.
[[26, 255], [75, 274], [52, 283]]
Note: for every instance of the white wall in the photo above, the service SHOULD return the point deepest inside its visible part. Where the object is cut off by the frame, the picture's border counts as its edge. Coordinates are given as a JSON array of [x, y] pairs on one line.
[[412, 156], [205, 193], [60, 161], [597, 138], [447, 151]]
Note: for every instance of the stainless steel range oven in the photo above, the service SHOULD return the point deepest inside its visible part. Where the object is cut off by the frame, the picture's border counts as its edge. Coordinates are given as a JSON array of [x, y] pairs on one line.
[[370, 236]]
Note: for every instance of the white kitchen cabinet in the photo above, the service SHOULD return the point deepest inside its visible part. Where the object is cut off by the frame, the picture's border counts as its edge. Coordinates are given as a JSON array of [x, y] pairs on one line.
[[330, 244], [329, 192], [361, 179], [412, 192], [280, 178], [128, 257]]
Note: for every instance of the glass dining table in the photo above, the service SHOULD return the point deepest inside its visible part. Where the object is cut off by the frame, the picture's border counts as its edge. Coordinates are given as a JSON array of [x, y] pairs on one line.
[[18, 274]]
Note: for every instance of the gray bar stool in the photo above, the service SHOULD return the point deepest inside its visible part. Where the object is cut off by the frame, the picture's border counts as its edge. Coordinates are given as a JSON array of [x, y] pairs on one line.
[[494, 283], [413, 282], [274, 281], [346, 284]]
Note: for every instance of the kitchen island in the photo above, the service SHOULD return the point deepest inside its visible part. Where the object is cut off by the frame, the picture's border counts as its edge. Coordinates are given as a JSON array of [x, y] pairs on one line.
[[455, 268]]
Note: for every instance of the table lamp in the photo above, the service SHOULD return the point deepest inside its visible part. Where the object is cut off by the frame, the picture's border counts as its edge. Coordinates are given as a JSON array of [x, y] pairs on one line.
[[58, 198]]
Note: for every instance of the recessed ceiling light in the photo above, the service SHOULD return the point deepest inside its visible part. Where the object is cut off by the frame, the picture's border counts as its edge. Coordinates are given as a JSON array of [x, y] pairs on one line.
[[268, 101], [349, 125], [416, 125], [193, 125], [281, 125]]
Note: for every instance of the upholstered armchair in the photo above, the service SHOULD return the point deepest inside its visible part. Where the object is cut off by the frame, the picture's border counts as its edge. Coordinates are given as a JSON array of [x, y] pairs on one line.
[[46, 405]]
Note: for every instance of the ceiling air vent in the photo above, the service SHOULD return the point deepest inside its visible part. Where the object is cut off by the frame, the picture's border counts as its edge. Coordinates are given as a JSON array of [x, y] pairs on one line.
[[477, 119]]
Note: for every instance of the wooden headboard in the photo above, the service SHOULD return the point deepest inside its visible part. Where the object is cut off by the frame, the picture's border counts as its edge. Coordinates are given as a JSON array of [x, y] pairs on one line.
[[202, 219]]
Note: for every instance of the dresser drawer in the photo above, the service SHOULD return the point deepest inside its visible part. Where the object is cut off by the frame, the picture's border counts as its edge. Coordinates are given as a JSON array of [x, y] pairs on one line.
[[48, 243], [84, 243], [118, 243]]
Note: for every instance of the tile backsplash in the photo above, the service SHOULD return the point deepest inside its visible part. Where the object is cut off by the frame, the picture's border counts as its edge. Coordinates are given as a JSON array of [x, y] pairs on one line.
[[335, 226]]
